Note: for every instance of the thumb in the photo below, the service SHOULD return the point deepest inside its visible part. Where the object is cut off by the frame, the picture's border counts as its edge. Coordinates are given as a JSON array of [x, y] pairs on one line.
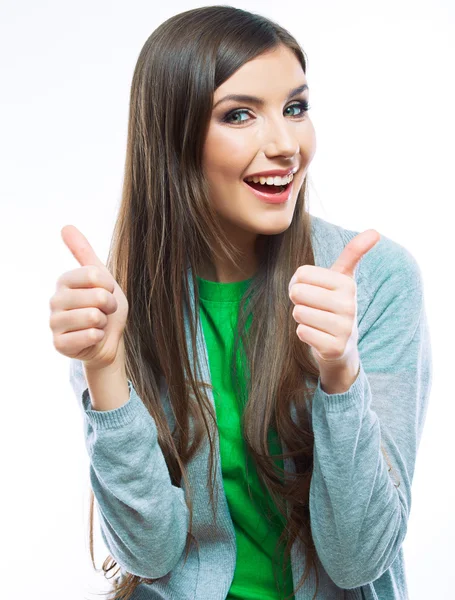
[[354, 251], [80, 247]]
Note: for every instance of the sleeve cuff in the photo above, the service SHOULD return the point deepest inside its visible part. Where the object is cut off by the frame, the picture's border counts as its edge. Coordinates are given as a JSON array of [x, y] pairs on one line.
[[117, 417], [340, 402]]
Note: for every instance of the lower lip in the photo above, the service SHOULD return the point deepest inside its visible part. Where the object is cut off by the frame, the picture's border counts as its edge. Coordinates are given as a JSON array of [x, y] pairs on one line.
[[272, 198]]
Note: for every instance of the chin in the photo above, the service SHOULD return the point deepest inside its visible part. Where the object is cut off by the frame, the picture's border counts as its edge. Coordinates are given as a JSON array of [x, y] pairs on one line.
[[274, 228]]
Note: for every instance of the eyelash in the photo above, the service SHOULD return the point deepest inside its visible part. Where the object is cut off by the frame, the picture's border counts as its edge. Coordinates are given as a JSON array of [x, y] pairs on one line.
[[304, 105]]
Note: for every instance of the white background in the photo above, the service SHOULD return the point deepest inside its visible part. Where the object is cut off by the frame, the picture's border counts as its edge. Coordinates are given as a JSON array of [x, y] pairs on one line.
[[382, 102]]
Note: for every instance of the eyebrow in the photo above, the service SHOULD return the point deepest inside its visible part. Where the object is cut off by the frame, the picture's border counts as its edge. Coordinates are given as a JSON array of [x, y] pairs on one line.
[[259, 101]]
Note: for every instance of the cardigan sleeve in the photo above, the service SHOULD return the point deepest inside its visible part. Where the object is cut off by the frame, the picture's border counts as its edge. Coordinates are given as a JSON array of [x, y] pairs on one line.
[[143, 517], [359, 507]]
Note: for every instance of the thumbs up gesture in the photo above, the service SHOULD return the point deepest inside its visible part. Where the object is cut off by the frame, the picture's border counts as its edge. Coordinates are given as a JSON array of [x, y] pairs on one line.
[[326, 305], [89, 309]]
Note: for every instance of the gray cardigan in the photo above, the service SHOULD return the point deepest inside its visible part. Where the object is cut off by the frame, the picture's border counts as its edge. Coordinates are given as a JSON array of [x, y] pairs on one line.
[[359, 512]]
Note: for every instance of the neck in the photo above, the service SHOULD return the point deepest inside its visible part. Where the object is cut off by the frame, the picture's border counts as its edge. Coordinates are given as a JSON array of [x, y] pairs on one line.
[[225, 272], [221, 274]]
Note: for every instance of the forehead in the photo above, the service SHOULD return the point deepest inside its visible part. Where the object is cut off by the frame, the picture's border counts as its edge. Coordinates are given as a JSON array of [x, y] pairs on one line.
[[267, 75]]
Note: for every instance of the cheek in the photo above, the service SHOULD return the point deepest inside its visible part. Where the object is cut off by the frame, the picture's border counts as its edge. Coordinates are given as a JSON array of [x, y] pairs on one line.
[[226, 154]]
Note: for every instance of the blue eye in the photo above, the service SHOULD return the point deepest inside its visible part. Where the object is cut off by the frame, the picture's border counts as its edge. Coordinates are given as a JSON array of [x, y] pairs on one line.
[[303, 106]]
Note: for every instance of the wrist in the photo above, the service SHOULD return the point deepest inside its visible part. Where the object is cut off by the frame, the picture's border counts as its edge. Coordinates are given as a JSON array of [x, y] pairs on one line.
[[108, 386], [337, 379], [117, 364]]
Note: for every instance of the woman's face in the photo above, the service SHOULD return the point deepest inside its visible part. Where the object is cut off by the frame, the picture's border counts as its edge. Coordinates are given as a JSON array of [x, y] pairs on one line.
[[275, 135]]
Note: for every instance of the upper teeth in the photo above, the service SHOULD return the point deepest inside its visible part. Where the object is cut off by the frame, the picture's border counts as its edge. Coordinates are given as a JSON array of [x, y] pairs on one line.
[[272, 180]]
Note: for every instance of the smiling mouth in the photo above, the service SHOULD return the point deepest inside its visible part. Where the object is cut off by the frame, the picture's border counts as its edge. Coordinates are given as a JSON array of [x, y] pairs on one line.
[[268, 189]]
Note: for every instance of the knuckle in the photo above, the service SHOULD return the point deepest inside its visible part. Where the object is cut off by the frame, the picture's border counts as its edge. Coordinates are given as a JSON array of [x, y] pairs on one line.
[[93, 334], [53, 320], [101, 296], [347, 307], [301, 270], [55, 302], [94, 316], [347, 329], [58, 343], [61, 280], [92, 275], [351, 309]]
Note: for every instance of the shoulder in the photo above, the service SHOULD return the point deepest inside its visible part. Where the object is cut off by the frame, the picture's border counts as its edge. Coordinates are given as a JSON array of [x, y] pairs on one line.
[[388, 271]]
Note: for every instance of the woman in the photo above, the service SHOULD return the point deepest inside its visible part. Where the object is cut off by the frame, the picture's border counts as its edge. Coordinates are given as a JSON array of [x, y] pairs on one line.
[[251, 434]]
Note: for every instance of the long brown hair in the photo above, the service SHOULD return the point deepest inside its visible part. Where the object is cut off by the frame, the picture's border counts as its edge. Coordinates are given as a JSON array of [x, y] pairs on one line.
[[165, 224]]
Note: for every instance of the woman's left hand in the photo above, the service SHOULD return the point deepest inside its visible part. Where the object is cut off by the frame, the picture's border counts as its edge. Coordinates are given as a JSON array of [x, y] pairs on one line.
[[326, 304]]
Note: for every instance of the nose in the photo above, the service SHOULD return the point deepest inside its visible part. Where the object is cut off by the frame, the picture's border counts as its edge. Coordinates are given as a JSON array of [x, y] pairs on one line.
[[281, 140]]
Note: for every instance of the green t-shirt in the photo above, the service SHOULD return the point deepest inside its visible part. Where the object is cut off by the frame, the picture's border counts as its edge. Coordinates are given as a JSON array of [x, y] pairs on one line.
[[256, 536]]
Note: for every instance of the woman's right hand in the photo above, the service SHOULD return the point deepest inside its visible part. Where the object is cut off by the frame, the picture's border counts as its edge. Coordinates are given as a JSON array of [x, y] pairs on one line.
[[89, 309]]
